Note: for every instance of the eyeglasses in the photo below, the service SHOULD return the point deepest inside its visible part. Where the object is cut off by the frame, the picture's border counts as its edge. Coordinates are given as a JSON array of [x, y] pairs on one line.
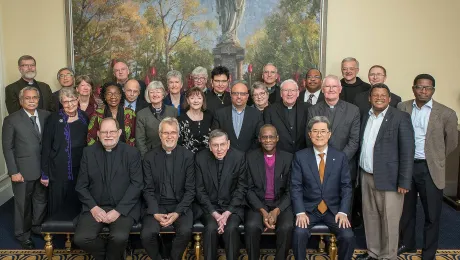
[[330, 87], [112, 132], [28, 65], [429, 88], [172, 133], [269, 72], [241, 94], [219, 146], [379, 96], [313, 77], [268, 137], [69, 102], [260, 95], [289, 90], [120, 70], [378, 75], [132, 92], [349, 69], [218, 82], [111, 95], [199, 78], [68, 75], [318, 132]]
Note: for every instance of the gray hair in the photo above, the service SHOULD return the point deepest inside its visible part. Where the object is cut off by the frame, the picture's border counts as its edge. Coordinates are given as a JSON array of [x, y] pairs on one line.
[[65, 68], [267, 126], [170, 121], [289, 81], [258, 85], [175, 74], [152, 86], [271, 64], [200, 71], [217, 133], [318, 119], [68, 92], [21, 92], [333, 77], [351, 59]]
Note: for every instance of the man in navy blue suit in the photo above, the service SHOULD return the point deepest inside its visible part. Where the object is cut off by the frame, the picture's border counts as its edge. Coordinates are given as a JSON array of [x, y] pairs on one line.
[[321, 191]]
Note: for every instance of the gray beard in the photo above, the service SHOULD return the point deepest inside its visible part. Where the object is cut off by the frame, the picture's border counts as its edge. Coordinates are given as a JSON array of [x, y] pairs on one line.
[[30, 75]]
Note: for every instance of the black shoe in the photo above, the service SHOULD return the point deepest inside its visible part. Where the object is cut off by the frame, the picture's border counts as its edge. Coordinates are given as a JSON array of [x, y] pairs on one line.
[[28, 244], [403, 249], [365, 256]]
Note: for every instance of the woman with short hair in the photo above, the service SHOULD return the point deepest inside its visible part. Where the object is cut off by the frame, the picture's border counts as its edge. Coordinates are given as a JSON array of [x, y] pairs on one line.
[[87, 102], [175, 98]]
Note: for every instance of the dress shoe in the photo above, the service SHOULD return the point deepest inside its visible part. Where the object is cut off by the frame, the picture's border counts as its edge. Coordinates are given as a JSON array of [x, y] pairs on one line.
[[403, 249], [28, 244], [365, 256]]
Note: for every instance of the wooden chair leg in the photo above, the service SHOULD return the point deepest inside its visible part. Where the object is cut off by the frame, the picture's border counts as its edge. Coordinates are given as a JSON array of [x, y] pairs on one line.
[[184, 256], [322, 245], [49, 246], [333, 248], [197, 238], [68, 243]]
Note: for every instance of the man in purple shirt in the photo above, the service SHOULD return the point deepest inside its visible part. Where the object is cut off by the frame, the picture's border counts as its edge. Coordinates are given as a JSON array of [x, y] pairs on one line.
[[269, 177]]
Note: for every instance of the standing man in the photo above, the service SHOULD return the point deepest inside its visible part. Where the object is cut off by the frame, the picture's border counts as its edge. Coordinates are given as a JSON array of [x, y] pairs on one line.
[[352, 85], [312, 94], [269, 77], [22, 144], [121, 73], [109, 186], [200, 78], [66, 78], [241, 122], [170, 197], [221, 186], [319, 196], [377, 74], [133, 99], [269, 180], [386, 165], [435, 127], [218, 97], [289, 118], [27, 68]]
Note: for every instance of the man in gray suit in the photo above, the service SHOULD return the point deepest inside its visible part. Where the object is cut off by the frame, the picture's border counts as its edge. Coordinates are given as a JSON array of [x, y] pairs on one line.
[[21, 139], [435, 128], [387, 148]]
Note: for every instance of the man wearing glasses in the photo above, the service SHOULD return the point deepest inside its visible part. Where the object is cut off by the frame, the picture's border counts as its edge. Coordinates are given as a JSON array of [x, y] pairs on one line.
[[435, 128], [66, 78], [219, 96], [289, 118], [312, 94], [27, 68], [352, 85], [241, 122], [270, 78], [387, 147], [200, 78]]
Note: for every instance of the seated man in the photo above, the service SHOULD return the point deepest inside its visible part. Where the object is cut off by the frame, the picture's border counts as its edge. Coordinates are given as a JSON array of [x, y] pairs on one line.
[[169, 177], [109, 186], [270, 203], [221, 187], [319, 197]]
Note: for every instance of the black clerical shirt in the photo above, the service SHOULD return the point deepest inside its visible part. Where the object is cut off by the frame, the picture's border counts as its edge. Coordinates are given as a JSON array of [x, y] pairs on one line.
[[106, 199], [291, 116], [167, 196]]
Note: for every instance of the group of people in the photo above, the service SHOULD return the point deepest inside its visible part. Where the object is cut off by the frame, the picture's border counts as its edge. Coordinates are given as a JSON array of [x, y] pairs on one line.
[[341, 149]]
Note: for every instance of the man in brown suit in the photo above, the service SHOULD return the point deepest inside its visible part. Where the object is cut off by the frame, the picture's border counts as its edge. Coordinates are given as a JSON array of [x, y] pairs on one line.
[[435, 130], [27, 68]]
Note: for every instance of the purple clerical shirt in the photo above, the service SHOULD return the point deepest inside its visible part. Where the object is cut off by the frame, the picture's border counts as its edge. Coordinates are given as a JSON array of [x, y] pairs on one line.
[[270, 176]]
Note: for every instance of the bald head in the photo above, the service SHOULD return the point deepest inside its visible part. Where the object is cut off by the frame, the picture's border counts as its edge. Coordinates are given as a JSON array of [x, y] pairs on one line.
[[240, 94], [121, 72], [132, 90]]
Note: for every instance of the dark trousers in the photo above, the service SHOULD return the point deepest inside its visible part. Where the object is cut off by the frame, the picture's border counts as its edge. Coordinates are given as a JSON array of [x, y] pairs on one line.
[[30, 201], [151, 230], [87, 236], [431, 198], [254, 226], [345, 236], [231, 237]]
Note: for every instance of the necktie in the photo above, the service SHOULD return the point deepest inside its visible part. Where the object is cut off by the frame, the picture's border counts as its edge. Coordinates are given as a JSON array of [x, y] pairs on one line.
[[130, 106], [34, 122], [322, 207], [310, 99]]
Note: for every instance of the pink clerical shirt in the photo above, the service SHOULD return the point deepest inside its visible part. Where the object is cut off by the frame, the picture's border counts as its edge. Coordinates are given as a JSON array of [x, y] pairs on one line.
[[270, 176]]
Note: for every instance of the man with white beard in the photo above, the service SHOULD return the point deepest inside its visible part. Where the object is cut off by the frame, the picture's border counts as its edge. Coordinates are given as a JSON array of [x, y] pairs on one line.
[[28, 70]]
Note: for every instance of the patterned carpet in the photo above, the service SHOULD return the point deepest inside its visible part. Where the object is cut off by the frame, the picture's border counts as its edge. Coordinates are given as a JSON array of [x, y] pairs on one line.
[[140, 255]]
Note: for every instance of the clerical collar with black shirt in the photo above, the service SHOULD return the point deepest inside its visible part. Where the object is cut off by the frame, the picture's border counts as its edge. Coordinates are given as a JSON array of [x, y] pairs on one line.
[[290, 112], [158, 113], [167, 196], [109, 160], [220, 167], [331, 111]]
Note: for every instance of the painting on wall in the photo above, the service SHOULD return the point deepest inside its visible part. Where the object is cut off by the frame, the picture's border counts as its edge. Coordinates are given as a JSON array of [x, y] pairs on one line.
[[155, 36]]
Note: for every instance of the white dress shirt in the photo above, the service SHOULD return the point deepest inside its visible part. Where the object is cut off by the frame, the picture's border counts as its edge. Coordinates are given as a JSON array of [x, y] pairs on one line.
[[314, 99], [37, 120], [420, 118]]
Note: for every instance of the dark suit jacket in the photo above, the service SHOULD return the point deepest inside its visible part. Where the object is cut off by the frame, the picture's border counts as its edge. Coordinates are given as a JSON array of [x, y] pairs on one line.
[[22, 145], [141, 104], [257, 183], [184, 178], [345, 129], [214, 103], [362, 101], [275, 114], [252, 122], [394, 150], [275, 96], [301, 98], [12, 96], [307, 191], [125, 182], [230, 194]]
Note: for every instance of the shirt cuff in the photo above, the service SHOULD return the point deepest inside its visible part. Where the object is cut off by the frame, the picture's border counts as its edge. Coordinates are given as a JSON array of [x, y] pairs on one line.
[[301, 213], [343, 214]]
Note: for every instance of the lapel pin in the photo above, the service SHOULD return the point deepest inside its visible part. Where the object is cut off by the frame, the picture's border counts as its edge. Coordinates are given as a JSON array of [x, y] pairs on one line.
[[333, 159]]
